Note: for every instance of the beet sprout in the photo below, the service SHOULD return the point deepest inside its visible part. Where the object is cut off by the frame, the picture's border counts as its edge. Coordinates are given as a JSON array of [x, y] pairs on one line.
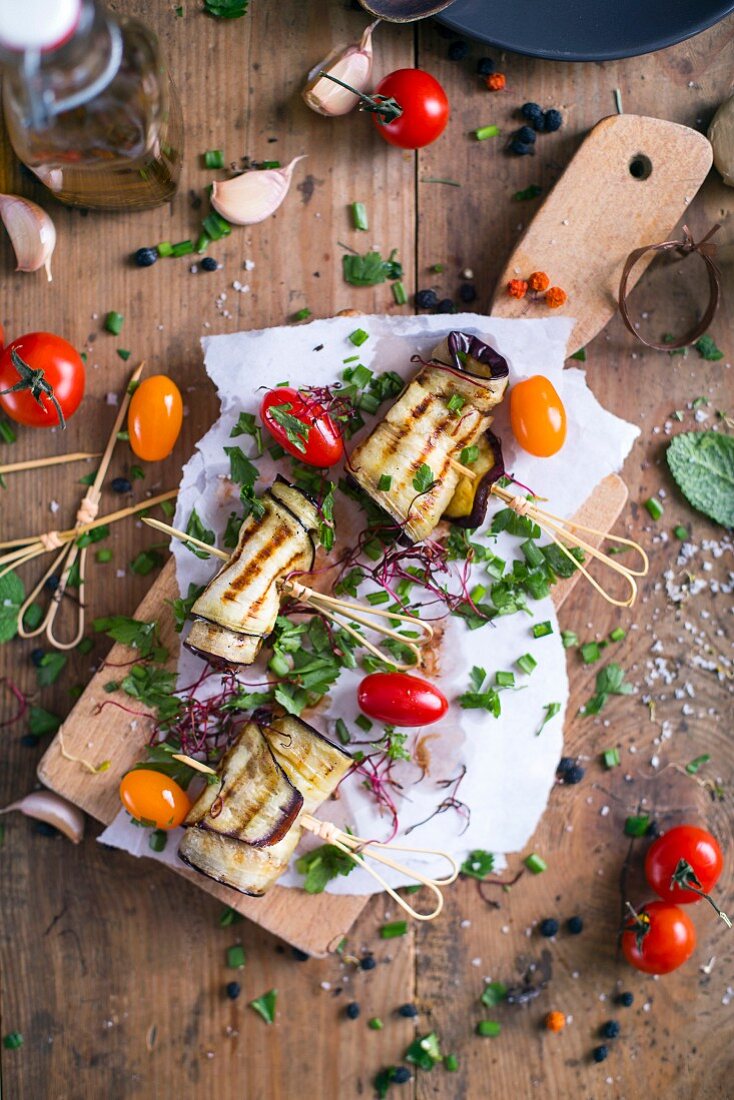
[[450, 802], [20, 699]]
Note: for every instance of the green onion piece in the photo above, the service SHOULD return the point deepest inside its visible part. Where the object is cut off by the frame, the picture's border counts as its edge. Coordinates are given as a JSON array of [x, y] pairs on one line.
[[681, 533], [367, 402], [456, 403], [376, 598], [580, 355], [436, 269], [489, 1029], [618, 634], [358, 337], [342, 731], [590, 652], [654, 507], [611, 758], [279, 665], [384, 483], [113, 322], [213, 158], [216, 226], [124, 354], [375, 1024], [158, 840], [398, 293], [569, 638], [535, 863], [542, 630], [363, 722], [202, 242], [350, 359], [7, 434], [532, 552], [373, 550], [229, 916], [450, 1063], [361, 376], [13, 1040], [236, 957], [478, 593], [302, 314], [526, 663], [266, 164], [697, 762], [394, 929], [359, 216], [103, 556], [165, 248], [504, 679], [183, 248], [637, 825], [485, 132]]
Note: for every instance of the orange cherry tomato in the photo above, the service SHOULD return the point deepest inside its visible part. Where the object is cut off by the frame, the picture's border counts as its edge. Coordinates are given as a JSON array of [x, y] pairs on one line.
[[153, 798], [155, 417], [537, 416]]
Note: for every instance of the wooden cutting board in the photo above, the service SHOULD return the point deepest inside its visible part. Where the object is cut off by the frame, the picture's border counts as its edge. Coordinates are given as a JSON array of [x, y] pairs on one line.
[[314, 923], [627, 186]]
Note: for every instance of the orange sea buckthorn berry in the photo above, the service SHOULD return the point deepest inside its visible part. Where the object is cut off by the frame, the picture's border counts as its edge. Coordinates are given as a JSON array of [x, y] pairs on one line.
[[555, 297], [538, 281], [517, 288], [555, 1021], [496, 82]]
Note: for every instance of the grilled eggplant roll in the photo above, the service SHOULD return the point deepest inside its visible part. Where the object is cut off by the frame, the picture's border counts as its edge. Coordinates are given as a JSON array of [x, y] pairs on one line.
[[447, 406], [315, 767], [254, 800], [238, 608], [468, 505]]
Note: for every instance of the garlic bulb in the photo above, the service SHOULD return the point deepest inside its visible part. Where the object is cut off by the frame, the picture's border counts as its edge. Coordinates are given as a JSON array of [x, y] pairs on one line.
[[253, 196], [54, 810], [353, 65], [31, 231]]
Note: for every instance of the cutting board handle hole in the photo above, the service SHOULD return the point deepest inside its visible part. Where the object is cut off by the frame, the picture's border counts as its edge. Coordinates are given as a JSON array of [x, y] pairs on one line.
[[640, 167]]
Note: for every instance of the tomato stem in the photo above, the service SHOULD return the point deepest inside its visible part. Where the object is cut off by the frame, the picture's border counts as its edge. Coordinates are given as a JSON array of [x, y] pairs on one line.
[[686, 878], [640, 925], [387, 110], [33, 381]]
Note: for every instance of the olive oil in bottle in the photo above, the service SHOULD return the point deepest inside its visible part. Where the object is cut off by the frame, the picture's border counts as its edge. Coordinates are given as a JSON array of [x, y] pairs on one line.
[[89, 105]]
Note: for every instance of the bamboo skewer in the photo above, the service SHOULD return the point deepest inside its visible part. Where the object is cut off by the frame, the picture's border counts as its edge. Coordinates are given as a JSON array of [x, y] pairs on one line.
[[357, 848], [330, 607], [463, 470], [52, 460]]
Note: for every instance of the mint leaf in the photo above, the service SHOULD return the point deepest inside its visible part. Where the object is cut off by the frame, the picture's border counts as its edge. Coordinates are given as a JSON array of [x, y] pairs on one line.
[[702, 464], [12, 595]]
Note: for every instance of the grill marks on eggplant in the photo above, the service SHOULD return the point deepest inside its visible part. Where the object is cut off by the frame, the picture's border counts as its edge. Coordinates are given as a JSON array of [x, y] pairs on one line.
[[308, 761]]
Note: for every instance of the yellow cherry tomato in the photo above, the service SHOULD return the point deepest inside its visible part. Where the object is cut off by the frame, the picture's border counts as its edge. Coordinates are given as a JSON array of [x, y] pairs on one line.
[[154, 418], [537, 416], [152, 797]]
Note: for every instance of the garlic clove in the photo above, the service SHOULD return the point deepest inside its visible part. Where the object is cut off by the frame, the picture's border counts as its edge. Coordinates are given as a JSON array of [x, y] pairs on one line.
[[253, 196], [31, 231], [54, 810], [353, 65]]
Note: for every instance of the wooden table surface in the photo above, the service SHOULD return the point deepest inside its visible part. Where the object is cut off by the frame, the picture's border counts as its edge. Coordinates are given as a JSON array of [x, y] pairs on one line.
[[112, 969]]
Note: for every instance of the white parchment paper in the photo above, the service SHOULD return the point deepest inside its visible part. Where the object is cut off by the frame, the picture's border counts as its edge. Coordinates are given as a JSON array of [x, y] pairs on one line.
[[510, 767]]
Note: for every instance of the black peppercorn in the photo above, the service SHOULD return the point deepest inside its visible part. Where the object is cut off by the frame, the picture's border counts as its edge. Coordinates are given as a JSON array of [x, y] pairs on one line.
[[468, 292], [548, 927], [552, 120], [458, 50], [526, 134], [401, 1075], [445, 306], [519, 148], [232, 989], [368, 963], [408, 1010], [600, 1054], [485, 66], [352, 1010], [426, 299], [209, 264], [610, 1030], [575, 925], [121, 485], [626, 999], [145, 257]]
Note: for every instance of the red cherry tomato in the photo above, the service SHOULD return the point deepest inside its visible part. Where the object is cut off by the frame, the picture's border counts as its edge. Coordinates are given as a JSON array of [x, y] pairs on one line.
[[425, 108], [401, 699], [301, 426], [537, 416], [151, 797], [60, 370], [154, 418], [661, 940], [685, 855]]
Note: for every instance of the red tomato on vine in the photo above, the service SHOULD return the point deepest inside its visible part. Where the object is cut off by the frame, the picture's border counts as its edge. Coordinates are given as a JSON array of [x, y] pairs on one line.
[[684, 864], [659, 938], [42, 380]]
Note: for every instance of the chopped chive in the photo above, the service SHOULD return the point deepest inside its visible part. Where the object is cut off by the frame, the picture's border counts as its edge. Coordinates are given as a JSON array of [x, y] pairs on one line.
[[124, 354], [681, 533], [654, 507], [266, 164], [535, 863], [359, 216], [376, 598], [213, 158], [384, 483], [13, 1040], [394, 929], [350, 359], [7, 434], [618, 634], [398, 293], [436, 269], [236, 957], [342, 731], [183, 248], [478, 593], [590, 652], [637, 825], [361, 376], [158, 840], [611, 758], [165, 248], [450, 1063], [551, 710], [485, 132], [279, 665], [504, 679], [532, 552], [368, 402], [103, 556], [229, 916], [202, 242], [363, 722], [542, 630], [113, 322], [215, 226], [569, 638], [123, 437], [697, 762], [375, 1024], [358, 337], [489, 1029], [302, 314], [526, 663]]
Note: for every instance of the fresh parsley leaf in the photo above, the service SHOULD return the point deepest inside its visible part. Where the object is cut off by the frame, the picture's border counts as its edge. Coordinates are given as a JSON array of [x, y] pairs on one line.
[[50, 668], [42, 722], [247, 425], [232, 530], [530, 192], [494, 994], [12, 596], [469, 455], [226, 9], [349, 583], [478, 864], [321, 865], [707, 349], [182, 604], [551, 710], [159, 758], [95, 535], [242, 470], [424, 1052], [196, 528], [702, 464], [326, 519], [265, 1005], [609, 681], [296, 432], [153, 687], [145, 562], [135, 633], [424, 479]]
